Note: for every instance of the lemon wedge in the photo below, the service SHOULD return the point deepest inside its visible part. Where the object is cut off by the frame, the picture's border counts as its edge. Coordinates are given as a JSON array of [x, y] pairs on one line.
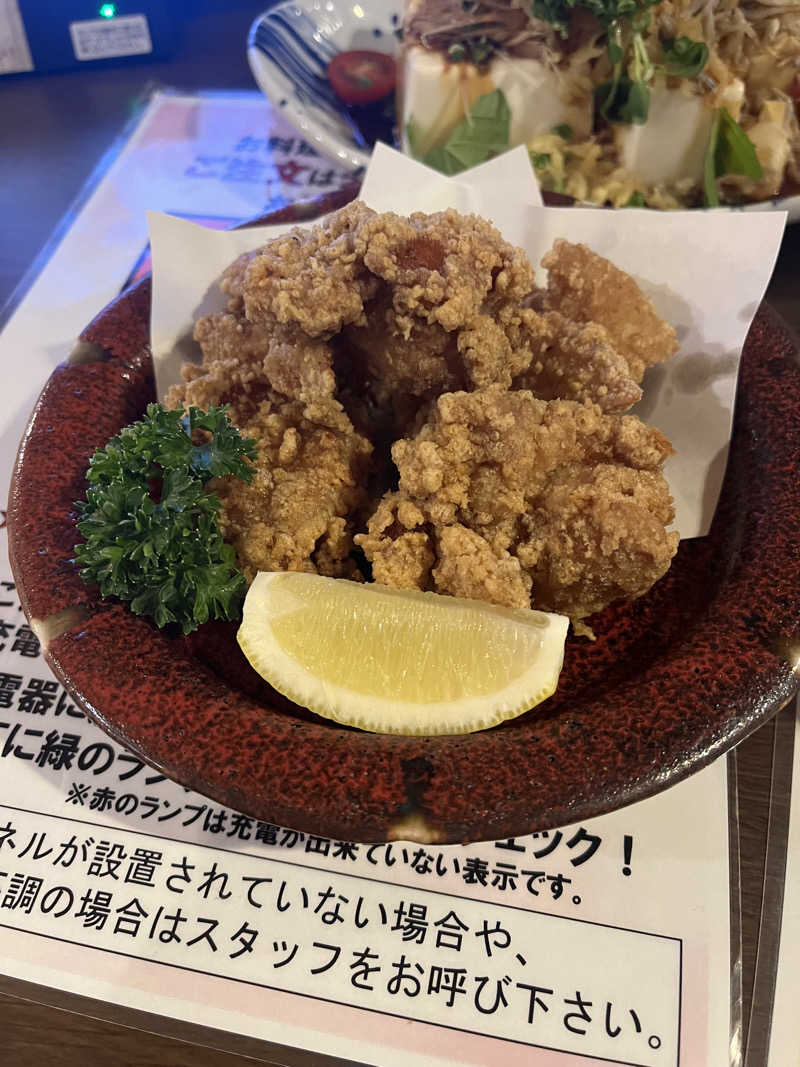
[[398, 661]]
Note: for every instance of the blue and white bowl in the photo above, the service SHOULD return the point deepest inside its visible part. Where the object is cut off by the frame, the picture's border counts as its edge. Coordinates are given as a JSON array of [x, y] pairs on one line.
[[289, 49]]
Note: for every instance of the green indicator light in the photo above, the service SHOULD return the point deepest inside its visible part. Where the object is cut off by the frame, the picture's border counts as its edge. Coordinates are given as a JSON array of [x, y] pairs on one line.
[[107, 11]]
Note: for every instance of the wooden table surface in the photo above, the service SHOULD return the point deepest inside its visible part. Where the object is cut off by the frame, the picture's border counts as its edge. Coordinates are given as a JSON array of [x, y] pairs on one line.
[[53, 130]]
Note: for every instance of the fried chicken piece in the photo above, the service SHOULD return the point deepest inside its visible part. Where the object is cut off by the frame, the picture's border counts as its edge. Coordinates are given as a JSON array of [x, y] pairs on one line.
[[311, 466], [315, 277], [597, 535], [399, 290], [298, 366], [468, 567], [310, 472], [586, 287], [520, 496], [442, 274], [576, 361], [232, 370], [402, 554], [444, 268], [246, 355], [393, 366], [553, 357], [495, 350]]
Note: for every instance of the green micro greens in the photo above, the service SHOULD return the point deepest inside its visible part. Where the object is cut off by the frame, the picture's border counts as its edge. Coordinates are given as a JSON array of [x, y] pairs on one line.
[[151, 528], [729, 151], [625, 97], [683, 57]]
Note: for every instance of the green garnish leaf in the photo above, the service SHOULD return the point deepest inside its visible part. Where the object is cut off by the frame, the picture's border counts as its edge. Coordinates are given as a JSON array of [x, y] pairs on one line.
[[564, 131], [735, 152], [729, 151], [684, 57], [484, 133], [710, 165], [414, 138], [637, 106], [635, 200], [615, 53], [150, 527], [623, 101], [541, 160]]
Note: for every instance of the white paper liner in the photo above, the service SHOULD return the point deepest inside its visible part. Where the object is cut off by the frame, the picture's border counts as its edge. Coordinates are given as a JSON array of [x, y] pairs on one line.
[[705, 271]]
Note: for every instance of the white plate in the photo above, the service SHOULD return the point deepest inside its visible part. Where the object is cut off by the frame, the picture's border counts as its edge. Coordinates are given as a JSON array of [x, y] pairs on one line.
[[290, 46], [289, 49]]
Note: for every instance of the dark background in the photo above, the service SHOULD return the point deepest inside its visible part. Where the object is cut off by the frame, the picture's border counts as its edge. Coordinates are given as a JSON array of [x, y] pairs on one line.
[[55, 127]]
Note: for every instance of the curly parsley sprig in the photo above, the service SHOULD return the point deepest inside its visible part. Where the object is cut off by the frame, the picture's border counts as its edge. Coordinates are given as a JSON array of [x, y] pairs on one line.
[[151, 528]]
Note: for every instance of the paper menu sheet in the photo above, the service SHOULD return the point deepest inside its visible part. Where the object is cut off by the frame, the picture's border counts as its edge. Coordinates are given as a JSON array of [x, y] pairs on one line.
[[706, 273], [115, 884]]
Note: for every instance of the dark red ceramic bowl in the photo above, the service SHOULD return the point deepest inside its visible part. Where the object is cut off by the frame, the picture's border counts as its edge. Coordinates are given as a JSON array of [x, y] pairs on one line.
[[673, 680]]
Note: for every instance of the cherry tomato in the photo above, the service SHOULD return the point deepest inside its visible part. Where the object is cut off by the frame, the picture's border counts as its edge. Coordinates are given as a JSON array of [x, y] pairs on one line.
[[362, 77]]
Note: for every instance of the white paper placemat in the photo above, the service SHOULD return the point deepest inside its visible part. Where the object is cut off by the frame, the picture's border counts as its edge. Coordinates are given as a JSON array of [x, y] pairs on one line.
[[601, 942]]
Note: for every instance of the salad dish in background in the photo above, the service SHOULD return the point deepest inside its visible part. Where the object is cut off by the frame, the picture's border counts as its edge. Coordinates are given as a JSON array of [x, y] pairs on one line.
[[621, 102], [678, 103]]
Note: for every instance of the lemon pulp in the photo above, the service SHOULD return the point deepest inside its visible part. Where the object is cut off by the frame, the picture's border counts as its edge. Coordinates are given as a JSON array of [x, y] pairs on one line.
[[396, 660]]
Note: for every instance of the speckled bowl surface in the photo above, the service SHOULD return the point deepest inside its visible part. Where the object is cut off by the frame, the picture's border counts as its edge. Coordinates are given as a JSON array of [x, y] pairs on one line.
[[672, 681]]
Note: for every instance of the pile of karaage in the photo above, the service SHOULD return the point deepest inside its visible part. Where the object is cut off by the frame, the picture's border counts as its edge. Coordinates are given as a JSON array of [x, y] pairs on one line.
[[428, 418]]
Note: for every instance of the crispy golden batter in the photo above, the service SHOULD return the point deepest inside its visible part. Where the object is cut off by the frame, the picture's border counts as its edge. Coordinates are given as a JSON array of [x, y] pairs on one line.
[[577, 361], [587, 288], [313, 277], [311, 468], [309, 480], [441, 274], [399, 289], [597, 535], [399, 547], [374, 347], [467, 566], [522, 498]]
